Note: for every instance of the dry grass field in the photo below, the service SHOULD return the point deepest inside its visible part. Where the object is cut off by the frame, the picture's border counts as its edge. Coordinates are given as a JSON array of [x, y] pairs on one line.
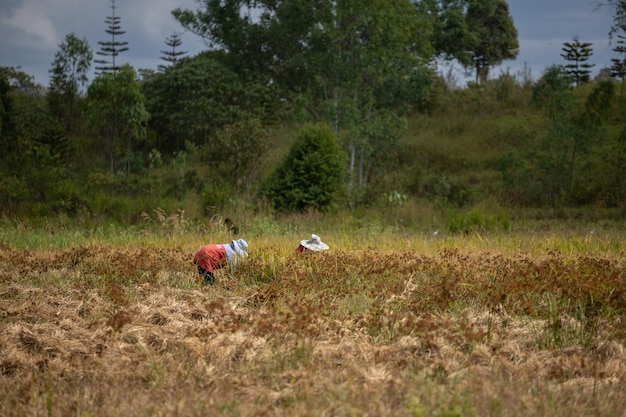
[[459, 328]]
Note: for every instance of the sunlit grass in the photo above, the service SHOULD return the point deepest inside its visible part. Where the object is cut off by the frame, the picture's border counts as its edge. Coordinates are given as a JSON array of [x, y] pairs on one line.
[[391, 320], [339, 231]]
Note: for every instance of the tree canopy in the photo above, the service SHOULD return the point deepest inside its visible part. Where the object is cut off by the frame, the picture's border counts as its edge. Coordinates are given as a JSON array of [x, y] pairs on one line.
[[67, 75], [479, 34], [492, 34], [195, 98], [117, 112]]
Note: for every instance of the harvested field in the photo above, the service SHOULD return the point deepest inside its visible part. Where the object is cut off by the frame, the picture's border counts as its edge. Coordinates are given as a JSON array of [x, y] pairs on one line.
[[116, 332]]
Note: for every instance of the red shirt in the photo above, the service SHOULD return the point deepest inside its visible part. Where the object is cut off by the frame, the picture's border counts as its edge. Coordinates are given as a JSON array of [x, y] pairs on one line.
[[211, 257], [301, 248]]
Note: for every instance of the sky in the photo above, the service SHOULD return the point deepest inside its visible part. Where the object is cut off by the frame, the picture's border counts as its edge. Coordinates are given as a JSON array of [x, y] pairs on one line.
[[31, 31]]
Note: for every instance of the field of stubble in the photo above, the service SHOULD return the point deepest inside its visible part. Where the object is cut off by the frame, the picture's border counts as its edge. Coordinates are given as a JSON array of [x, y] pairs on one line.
[[97, 330]]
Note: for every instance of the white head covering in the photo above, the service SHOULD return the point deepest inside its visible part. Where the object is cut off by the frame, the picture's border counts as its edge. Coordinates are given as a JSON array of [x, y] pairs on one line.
[[235, 249], [314, 243], [240, 247]]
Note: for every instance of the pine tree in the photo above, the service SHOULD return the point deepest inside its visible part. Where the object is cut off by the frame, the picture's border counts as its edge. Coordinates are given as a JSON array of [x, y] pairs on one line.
[[172, 55], [578, 53], [113, 47], [618, 68]]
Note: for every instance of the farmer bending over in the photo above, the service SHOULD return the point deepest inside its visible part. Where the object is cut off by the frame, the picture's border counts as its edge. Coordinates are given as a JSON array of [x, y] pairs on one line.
[[314, 244], [217, 256]]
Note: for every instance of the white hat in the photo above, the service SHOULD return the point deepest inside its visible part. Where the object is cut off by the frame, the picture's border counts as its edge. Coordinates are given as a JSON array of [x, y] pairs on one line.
[[314, 244], [240, 246]]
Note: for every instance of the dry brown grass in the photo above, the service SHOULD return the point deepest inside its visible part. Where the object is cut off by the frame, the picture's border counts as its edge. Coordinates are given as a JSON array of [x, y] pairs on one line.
[[117, 332]]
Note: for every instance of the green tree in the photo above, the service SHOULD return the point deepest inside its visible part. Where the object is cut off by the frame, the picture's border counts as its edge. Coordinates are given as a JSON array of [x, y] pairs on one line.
[[197, 97], [450, 31], [361, 48], [492, 35], [229, 26], [310, 176], [22, 112], [5, 108], [617, 30], [618, 66], [113, 47], [68, 74], [116, 109], [552, 94], [554, 97], [172, 55], [609, 176], [577, 54], [305, 47], [8, 137]]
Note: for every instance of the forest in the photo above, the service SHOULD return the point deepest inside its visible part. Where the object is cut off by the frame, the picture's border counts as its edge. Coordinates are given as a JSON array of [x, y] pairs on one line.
[[319, 106]]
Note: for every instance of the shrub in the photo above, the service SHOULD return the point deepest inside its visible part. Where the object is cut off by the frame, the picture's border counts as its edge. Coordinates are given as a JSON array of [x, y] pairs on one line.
[[310, 175]]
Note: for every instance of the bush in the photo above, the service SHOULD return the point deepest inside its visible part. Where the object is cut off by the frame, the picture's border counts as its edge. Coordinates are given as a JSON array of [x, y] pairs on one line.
[[310, 175]]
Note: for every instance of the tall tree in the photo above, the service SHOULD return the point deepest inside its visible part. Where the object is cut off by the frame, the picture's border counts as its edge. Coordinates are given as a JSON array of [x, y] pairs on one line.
[[8, 139], [116, 110], [577, 53], [492, 35], [68, 73], [27, 171], [291, 42], [113, 47], [172, 55], [618, 66]]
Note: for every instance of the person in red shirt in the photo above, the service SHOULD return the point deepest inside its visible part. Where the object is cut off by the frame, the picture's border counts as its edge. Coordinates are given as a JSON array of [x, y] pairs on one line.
[[216, 256], [314, 244]]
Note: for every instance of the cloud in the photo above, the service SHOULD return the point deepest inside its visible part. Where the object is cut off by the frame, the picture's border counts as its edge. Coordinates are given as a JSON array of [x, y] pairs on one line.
[[155, 17], [32, 24]]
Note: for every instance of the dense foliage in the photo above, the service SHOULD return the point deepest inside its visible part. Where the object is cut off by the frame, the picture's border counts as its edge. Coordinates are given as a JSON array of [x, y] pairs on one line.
[[311, 174], [205, 132]]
